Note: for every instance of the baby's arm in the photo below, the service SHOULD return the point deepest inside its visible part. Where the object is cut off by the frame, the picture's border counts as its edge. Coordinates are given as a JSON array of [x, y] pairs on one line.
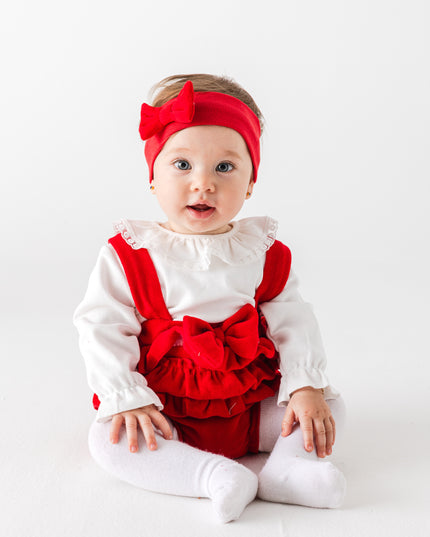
[[108, 326], [293, 328]]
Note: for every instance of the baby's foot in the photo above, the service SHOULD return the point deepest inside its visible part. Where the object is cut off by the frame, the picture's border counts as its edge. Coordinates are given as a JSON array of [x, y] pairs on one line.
[[302, 482], [231, 488]]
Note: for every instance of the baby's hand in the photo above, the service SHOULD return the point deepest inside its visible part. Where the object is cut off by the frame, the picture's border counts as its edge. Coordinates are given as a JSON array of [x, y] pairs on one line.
[[307, 406], [146, 417]]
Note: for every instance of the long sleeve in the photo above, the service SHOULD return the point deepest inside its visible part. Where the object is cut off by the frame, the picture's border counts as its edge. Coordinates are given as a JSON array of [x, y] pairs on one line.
[[294, 330], [108, 327]]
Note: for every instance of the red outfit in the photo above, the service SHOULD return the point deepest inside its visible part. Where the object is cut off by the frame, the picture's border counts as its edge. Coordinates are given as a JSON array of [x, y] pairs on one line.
[[209, 377]]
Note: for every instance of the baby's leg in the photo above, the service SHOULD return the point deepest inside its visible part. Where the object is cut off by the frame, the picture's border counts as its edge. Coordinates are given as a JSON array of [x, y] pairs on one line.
[[291, 474], [176, 468]]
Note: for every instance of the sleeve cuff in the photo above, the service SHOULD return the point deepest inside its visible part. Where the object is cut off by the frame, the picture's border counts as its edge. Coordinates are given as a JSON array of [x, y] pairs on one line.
[[299, 378], [127, 399]]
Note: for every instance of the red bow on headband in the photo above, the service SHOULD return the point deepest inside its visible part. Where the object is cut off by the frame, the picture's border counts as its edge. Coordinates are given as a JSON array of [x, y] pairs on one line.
[[179, 109]]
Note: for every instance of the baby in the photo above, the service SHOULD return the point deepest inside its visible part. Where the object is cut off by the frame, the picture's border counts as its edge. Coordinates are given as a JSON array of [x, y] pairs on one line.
[[195, 338]]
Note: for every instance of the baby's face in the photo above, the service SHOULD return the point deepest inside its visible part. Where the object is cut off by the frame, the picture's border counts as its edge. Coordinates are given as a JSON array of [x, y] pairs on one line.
[[201, 178]]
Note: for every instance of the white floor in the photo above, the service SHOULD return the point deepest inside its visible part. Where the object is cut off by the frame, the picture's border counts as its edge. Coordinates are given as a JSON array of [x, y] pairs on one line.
[[51, 487]]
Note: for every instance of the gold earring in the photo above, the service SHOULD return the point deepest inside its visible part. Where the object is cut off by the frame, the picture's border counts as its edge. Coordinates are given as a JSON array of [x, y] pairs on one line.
[[152, 188], [248, 195]]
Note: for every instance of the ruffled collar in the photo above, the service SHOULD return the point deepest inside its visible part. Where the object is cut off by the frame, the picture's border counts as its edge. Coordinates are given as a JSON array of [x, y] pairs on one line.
[[247, 240]]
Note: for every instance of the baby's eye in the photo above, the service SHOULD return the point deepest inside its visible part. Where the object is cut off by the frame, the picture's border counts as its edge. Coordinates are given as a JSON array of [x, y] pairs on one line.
[[182, 165], [224, 167]]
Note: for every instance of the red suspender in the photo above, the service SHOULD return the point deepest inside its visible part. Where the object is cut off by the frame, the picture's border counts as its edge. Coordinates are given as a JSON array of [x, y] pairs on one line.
[[276, 272], [142, 279]]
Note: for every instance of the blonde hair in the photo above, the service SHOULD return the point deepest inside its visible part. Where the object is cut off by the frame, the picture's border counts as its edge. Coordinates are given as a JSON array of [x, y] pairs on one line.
[[169, 87]]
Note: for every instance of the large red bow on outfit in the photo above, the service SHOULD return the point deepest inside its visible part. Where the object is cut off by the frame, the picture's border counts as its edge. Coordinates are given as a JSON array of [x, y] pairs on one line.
[[180, 109], [216, 348]]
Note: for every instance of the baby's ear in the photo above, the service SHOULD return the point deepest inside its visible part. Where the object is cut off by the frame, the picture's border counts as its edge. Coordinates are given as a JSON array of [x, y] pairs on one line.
[[251, 184]]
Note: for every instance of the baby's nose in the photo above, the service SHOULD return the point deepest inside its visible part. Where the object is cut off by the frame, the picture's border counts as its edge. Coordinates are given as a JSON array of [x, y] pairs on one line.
[[203, 180]]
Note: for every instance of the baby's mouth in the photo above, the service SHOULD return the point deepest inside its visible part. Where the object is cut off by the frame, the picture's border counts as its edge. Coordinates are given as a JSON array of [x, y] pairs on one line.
[[200, 210], [200, 207]]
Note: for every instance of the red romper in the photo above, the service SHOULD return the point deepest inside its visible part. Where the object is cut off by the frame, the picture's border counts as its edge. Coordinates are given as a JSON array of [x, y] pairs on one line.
[[209, 377]]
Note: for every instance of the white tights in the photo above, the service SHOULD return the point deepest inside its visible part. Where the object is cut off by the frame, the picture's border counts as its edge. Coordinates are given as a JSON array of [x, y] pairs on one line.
[[290, 475]]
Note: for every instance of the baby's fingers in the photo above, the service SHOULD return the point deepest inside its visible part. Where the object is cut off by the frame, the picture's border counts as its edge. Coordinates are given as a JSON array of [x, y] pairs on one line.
[[333, 424], [148, 431], [330, 434], [324, 436], [321, 438], [288, 422], [131, 428], [308, 432], [162, 424], [117, 422]]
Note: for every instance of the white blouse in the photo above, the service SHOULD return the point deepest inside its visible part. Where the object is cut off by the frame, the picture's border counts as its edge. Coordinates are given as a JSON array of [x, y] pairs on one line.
[[205, 276]]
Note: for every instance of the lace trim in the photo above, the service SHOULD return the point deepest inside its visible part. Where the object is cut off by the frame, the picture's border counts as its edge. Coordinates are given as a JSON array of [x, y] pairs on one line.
[[248, 239], [272, 229], [120, 227]]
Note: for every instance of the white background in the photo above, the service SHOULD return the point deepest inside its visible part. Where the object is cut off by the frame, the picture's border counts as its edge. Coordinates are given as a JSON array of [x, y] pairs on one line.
[[344, 88]]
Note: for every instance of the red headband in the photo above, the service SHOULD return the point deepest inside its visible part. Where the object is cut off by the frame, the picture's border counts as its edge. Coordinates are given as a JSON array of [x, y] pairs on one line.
[[190, 109]]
